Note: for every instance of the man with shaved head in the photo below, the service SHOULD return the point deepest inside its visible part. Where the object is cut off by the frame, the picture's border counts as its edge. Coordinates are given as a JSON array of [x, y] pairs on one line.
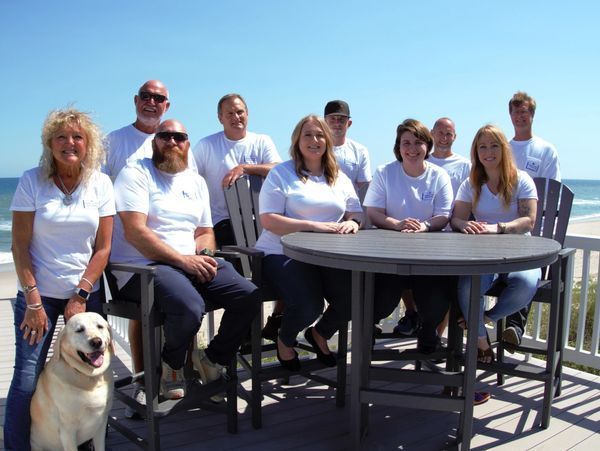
[[151, 102], [164, 221]]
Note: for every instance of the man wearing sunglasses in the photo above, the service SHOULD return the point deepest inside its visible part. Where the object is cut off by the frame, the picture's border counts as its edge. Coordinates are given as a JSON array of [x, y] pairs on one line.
[[224, 157], [125, 145], [165, 221], [134, 141]]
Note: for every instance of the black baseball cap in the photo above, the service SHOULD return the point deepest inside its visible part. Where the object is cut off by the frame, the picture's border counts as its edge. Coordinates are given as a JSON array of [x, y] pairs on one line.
[[337, 107]]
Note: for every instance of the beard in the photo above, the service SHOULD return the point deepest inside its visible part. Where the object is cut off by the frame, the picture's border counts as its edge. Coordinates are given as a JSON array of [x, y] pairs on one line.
[[169, 162]]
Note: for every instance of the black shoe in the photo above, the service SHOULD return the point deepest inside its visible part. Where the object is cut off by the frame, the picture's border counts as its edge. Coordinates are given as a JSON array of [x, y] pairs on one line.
[[427, 347], [292, 364], [408, 325], [271, 329], [325, 359]]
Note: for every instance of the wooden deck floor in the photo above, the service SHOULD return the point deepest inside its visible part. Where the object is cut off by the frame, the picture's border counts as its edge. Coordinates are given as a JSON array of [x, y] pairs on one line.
[[303, 416]]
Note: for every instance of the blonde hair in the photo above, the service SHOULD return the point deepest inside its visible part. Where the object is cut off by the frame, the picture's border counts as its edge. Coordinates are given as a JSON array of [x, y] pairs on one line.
[[508, 169], [58, 120], [330, 167]]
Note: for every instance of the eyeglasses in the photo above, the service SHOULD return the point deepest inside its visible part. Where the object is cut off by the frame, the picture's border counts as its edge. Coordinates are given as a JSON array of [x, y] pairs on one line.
[[179, 137], [158, 98]]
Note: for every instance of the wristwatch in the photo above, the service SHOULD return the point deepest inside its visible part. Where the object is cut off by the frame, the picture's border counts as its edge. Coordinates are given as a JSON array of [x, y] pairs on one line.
[[501, 227], [83, 294], [427, 225], [206, 251]]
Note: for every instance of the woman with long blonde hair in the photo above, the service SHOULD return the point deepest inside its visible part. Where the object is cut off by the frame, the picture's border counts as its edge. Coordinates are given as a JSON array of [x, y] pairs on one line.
[[501, 199]]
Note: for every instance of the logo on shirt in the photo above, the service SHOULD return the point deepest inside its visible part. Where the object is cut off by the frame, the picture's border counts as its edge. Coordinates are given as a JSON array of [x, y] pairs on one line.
[[532, 165], [427, 195]]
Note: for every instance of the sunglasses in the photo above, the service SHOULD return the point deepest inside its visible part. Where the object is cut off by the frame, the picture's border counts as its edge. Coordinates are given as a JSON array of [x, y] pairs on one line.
[[158, 98], [179, 137]]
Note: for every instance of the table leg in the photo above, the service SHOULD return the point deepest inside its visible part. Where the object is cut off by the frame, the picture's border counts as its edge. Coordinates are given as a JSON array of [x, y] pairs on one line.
[[358, 287], [367, 346], [466, 418]]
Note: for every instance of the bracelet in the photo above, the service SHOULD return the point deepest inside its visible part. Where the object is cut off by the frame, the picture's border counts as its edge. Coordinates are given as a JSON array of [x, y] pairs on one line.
[[356, 220], [29, 288], [35, 306], [86, 280], [501, 228]]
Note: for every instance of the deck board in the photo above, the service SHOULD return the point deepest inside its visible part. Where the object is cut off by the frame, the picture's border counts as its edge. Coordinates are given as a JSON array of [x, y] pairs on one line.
[[303, 416]]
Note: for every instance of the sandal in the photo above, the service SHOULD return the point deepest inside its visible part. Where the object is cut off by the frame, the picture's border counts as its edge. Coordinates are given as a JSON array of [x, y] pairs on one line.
[[481, 397], [486, 355]]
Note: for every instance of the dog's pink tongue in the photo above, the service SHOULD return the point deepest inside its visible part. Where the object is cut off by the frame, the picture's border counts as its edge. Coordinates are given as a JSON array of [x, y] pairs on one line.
[[96, 358]]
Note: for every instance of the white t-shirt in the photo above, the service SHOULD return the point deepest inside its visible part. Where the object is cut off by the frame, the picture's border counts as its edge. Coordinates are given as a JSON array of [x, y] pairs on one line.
[[64, 236], [353, 160], [175, 204], [284, 193], [537, 157], [490, 208], [403, 196], [127, 145], [216, 155], [457, 167]]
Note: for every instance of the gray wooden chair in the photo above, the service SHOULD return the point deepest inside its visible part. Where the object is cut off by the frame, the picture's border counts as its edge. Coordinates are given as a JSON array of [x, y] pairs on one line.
[[197, 396], [553, 211], [242, 202]]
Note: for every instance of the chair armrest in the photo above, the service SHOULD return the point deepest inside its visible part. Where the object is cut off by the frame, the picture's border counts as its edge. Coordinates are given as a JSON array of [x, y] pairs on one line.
[[566, 252], [249, 251], [129, 267]]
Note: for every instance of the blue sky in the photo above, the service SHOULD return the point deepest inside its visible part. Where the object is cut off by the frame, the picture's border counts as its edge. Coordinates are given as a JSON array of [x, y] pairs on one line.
[[389, 59]]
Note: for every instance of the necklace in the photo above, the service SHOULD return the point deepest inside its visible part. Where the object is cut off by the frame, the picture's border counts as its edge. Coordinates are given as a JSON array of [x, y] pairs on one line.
[[68, 199]]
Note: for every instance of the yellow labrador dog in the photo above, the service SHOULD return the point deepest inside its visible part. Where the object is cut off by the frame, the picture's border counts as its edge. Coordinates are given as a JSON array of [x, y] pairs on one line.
[[74, 392]]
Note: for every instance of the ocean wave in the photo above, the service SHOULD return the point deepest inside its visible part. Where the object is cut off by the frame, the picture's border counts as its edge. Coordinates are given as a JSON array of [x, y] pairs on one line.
[[5, 226], [585, 218], [586, 202], [6, 257]]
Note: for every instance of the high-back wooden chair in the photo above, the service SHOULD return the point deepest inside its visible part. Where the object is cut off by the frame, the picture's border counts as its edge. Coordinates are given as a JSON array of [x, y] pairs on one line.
[[197, 396], [553, 212], [242, 202]]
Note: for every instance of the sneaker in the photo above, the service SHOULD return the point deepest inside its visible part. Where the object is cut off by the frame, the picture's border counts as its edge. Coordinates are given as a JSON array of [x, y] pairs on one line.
[[139, 396], [172, 382], [407, 325], [208, 370], [271, 329], [481, 397], [511, 337]]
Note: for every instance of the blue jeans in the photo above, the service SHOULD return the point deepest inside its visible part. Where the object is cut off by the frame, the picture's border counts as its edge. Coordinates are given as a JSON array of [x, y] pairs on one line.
[[520, 289], [303, 288], [29, 362]]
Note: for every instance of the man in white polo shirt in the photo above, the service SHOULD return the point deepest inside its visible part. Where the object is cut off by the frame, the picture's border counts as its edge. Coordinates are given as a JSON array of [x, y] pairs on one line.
[[538, 158], [225, 156], [164, 221]]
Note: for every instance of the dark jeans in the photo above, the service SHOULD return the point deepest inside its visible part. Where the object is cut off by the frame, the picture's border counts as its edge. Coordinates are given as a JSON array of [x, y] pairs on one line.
[[183, 301], [29, 362], [303, 288], [433, 295]]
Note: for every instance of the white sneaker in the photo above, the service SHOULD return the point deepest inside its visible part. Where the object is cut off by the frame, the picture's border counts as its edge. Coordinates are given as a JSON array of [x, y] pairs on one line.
[[139, 395], [208, 370], [172, 382]]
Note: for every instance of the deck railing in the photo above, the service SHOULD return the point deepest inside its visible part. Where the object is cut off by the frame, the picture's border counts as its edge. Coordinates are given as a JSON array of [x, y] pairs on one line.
[[580, 350]]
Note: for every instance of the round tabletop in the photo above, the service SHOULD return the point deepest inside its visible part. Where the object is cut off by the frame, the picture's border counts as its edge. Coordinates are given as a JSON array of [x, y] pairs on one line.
[[438, 253]]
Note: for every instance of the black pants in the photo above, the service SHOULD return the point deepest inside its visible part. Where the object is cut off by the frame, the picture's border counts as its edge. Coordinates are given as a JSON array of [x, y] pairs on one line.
[[433, 295], [183, 300]]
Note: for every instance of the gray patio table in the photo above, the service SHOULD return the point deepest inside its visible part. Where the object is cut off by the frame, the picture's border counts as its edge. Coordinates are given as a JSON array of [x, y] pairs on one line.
[[443, 253]]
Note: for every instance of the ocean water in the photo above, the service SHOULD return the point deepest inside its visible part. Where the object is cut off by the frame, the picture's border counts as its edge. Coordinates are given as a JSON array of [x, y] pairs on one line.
[[586, 207]]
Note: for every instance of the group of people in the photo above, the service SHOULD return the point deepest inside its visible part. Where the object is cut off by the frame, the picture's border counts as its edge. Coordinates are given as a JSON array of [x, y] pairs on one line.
[[167, 209]]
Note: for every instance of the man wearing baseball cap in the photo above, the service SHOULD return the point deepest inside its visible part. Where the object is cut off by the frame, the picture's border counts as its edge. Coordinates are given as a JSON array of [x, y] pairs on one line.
[[352, 157]]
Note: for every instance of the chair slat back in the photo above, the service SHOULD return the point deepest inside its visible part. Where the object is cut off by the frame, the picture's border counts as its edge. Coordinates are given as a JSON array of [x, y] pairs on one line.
[[555, 201], [242, 202]]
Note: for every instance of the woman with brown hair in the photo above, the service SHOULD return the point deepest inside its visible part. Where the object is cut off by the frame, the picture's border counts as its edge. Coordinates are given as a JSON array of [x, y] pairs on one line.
[[307, 193]]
